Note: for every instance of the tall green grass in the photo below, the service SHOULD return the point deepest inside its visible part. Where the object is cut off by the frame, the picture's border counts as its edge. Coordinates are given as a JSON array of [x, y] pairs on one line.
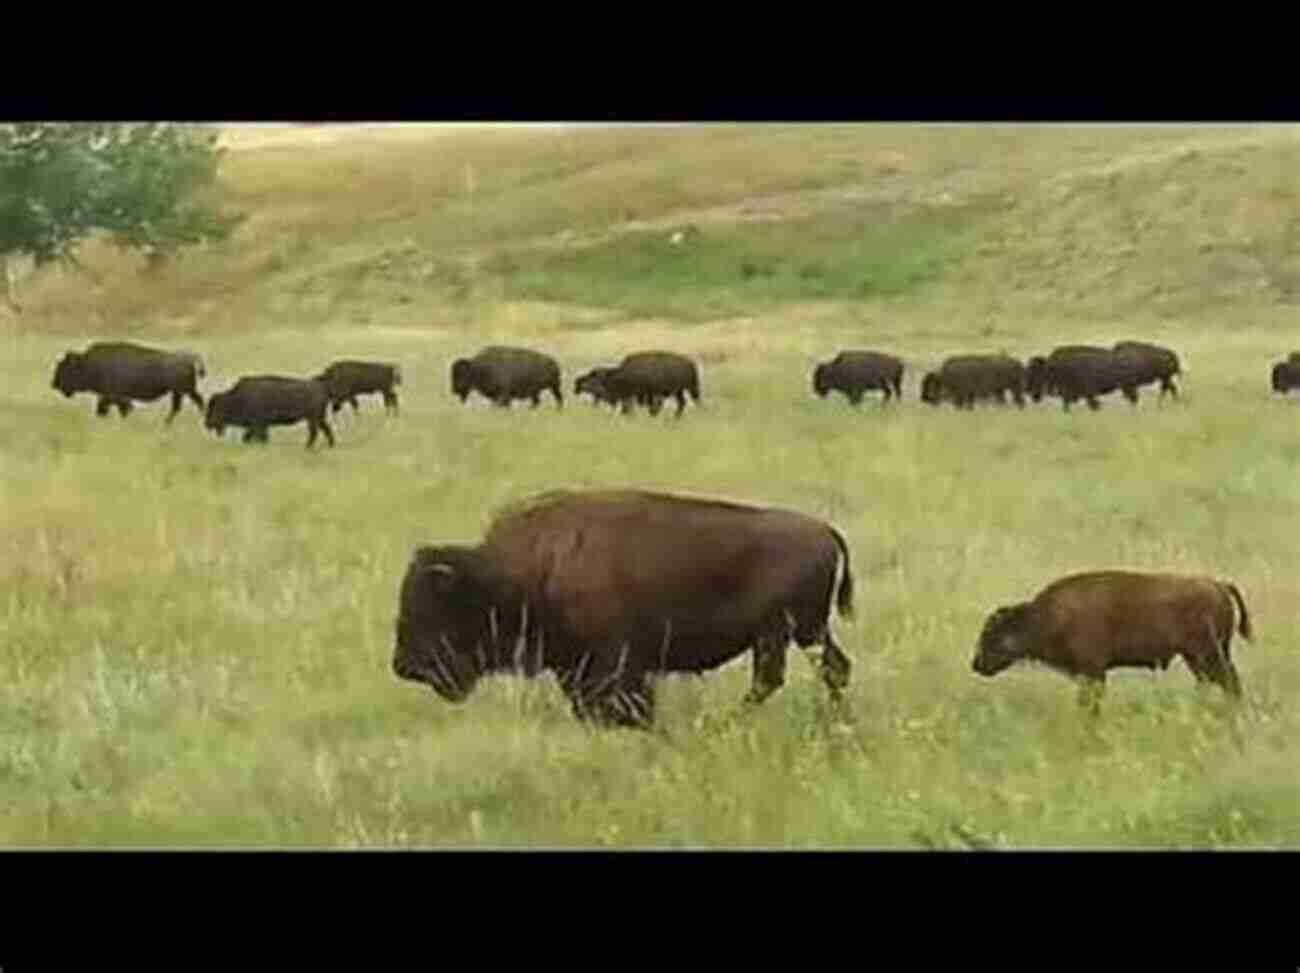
[[197, 633]]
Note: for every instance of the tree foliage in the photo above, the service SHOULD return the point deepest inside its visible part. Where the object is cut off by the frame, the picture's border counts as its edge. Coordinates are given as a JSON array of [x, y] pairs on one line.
[[141, 184]]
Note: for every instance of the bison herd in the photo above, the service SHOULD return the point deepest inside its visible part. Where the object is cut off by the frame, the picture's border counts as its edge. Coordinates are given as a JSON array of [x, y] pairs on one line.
[[609, 589]]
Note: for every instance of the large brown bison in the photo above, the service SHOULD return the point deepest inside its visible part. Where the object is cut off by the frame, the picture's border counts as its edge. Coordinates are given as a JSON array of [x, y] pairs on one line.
[[1286, 375], [1086, 372], [1085, 624], [503, 374], [649, 377], [965, 379], [1151, 363], [855, 372], [257, 402], [120, 371], [608, 589], [345, 380]]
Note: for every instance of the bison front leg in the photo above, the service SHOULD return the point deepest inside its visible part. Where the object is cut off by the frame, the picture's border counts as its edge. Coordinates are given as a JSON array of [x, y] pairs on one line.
[[835, 667], [1091, 689], [103, 406], [176, 407], [769, 669], [124, 407], [390, 402]]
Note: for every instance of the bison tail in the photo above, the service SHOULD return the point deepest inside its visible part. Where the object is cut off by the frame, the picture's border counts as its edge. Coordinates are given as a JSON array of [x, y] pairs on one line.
[[844, 597], [1243, 620]]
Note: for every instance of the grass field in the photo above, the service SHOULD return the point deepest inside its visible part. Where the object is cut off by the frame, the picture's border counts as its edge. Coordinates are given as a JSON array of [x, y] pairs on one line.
[[197, 634]]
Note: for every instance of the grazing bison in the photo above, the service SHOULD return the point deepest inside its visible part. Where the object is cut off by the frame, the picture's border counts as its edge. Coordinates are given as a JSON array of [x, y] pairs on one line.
[[257, 402], [345, 380], [119, 371], [854, 372], [1286, 376], [595, 383], [504, 374], [1151, 363], [649, 377], [1076, 372], [608, 589], [1085, 624], [964, 379]]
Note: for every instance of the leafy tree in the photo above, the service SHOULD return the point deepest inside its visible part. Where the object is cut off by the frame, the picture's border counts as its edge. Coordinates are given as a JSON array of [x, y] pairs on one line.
[[141, 184]]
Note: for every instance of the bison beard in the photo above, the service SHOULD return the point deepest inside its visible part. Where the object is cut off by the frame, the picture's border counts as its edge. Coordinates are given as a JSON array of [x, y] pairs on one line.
[[607, 590]]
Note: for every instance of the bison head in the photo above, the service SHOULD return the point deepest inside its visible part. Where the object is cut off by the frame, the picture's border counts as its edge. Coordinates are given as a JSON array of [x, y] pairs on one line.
[[1036, 377], [1280, 383], [593, 384], [69, 374], [446, 622], [462, 378], [214, 417], [1002, 641], [931, 389], [821, 380]]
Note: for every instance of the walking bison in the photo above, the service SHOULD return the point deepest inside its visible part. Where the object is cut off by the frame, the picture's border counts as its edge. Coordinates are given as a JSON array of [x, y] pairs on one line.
[[1151, 363], [1086, 624], [649, 377], [345, 380], [595, 383], [120, 372], [257, 402], [608, 589], [853, 373], [503, 374], [1086, 372], [965, 379]]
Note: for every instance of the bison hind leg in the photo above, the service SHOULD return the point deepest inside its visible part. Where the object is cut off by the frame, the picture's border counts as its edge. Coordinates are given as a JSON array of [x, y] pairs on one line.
[[769, 668], [835, 665]]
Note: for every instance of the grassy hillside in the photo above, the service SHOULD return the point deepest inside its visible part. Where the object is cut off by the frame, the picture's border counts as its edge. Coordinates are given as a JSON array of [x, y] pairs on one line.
[[197, 634]]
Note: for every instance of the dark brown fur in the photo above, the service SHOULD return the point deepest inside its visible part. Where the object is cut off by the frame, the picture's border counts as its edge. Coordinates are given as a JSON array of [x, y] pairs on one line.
[[345, 380], [608, 589], [1086, 624], [1286, 376], [965, 379], [120, 371], [856, 372], [257, 402], [649, 377], [502, 374], [1152, 363], [1075, 372]]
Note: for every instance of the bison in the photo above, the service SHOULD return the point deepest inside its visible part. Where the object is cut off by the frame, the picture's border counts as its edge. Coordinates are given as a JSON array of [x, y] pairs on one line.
[[1286, 375], [854, 372], [120, 371], [649, 377], [964, 379], [595, 383], [1151, 363], [503, 374], [345, 380], [257, 402], [1086, 372], [1086, 624], [609, 589]]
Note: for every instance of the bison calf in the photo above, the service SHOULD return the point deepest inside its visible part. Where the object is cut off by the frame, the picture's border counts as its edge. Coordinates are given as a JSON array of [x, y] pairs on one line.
[[119, 371], [596, 384], [259, 401], [856, 372], [503, 374], [345, 380], [1086, 624]]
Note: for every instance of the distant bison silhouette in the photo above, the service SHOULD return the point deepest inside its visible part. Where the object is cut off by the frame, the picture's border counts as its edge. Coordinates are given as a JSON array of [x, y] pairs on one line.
[[1286, 374], [120, 372], [257, 402], [1152, 363], [608, 589], [345, 380], [502, 374], [855, 372], [1086, 624], [649, 377], [964, 380], [594, 383], [1075, 372]]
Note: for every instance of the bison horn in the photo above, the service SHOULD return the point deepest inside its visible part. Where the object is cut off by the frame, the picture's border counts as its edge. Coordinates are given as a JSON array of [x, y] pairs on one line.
[[440, 568]]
